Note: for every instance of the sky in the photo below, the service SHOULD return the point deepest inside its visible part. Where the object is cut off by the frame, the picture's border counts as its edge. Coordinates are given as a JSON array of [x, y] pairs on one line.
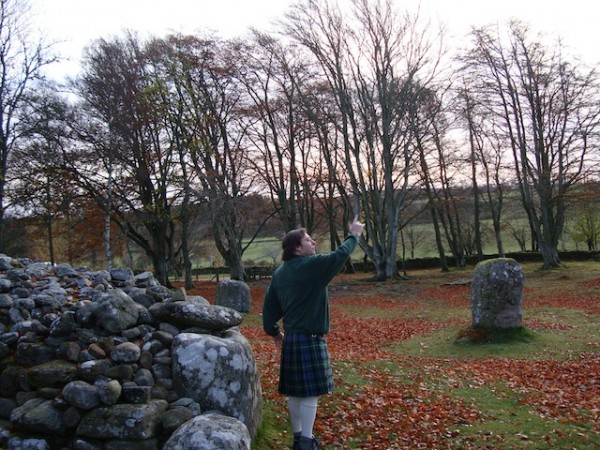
[[74, 24]]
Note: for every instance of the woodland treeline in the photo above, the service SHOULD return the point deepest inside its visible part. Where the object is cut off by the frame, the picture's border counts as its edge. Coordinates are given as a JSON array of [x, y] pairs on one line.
[[343, 109]]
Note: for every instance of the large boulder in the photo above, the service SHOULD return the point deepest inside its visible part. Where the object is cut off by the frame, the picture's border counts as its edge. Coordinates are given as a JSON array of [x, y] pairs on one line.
[[497, 294], [195, 314], [220, 373], [38, 415], [115, 311], [123, 421], [210, 431], [233, 294]]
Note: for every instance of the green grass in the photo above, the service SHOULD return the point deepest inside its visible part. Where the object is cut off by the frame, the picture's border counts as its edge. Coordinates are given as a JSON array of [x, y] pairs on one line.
[[273, 432], [509, 423], [530, 344]]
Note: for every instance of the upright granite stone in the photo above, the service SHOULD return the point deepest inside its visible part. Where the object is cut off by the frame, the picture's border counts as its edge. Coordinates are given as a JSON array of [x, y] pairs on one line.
[[497, 294], [220, 373], [233, 294]]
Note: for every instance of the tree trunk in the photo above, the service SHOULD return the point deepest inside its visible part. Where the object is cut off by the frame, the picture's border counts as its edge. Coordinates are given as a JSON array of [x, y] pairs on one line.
[[2, 186], [187, 263], [438, 240], [159, 252], [498, 236]]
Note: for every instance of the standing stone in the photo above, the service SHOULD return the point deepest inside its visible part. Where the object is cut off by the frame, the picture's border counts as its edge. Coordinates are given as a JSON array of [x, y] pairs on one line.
[[220, 374], [497, 294], [233, 294]]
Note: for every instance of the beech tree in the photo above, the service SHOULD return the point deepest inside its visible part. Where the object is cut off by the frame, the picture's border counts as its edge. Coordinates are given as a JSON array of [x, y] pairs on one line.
[[374, 63], [124, 140], [272, 78], [489, 168], [585, 225], [21, 64], [38, 184], [427, 141], [206, 101], [547, 108]]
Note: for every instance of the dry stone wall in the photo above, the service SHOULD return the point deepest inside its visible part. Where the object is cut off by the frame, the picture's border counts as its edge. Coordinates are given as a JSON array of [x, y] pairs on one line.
[[98, 360]]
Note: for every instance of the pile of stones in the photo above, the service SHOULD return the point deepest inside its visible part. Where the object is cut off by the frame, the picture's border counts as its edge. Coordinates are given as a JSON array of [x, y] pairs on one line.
[[109, 360]]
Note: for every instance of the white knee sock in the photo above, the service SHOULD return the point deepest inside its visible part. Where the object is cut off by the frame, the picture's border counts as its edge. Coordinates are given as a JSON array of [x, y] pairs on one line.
[[308, 414], [303, 412], [294, 408]]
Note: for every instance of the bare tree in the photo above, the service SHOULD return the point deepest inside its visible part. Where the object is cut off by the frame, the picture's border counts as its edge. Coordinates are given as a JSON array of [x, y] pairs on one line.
[[39, 185], [374, 64], [124, 137], [21, 63], [585, 226], [489, 168], [207, 87], [547, 107], [284, 157]]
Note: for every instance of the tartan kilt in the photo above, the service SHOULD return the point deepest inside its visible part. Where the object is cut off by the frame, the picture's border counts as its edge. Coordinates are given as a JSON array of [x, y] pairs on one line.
[[305, 370]]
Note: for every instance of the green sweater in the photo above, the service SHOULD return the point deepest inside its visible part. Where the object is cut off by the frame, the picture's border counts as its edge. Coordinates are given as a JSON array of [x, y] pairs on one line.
[[298, 292]]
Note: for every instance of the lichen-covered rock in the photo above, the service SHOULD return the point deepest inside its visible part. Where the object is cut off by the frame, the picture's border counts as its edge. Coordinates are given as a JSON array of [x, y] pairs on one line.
[[81, 395], [194, 314], [233, 294], [220, 373], [34, 353], [123, 421], [497, 294], [38, 415], [17, 443], [127, 352], [115, 311], [212, 431], [175, 417], [54, 373], [122, 276]]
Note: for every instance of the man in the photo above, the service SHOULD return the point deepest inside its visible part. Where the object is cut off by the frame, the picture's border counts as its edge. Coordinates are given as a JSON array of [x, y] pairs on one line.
[[298, 295]]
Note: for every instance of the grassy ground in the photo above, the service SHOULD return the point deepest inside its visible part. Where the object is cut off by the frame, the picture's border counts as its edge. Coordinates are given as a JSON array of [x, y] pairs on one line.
[[402, 381]]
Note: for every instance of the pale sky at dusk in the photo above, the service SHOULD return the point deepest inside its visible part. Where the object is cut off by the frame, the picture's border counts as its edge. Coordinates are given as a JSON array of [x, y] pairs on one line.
[[77, 22]]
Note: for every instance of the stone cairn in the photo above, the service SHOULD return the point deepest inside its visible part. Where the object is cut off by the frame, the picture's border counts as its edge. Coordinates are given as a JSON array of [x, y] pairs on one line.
[[497, 294], [99, 360]]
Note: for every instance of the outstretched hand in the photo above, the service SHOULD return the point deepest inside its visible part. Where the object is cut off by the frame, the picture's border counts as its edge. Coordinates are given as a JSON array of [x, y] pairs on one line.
[[356, 227]]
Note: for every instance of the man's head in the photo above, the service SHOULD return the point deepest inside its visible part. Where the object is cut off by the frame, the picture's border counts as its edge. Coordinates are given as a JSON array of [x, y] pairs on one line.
[[297, 243]]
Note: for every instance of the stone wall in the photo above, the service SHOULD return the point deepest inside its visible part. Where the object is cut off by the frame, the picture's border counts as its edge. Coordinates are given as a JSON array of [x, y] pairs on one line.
[[109, 360]]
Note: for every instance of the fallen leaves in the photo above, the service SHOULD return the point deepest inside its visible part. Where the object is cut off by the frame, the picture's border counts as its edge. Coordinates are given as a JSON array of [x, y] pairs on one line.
[[387, 401]]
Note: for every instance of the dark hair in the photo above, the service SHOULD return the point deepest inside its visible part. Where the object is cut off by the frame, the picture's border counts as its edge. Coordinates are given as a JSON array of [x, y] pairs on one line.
[[290, 241]]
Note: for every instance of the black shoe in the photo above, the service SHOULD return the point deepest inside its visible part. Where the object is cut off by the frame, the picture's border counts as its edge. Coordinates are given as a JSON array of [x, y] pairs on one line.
[[296, 445], [309, 444]]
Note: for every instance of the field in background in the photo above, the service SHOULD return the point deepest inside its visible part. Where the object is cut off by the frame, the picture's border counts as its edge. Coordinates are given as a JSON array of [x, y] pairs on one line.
[[266, 251]]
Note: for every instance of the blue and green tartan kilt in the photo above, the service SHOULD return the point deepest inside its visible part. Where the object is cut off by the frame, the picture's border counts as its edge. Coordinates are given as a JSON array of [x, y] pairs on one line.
[[305, 370]]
